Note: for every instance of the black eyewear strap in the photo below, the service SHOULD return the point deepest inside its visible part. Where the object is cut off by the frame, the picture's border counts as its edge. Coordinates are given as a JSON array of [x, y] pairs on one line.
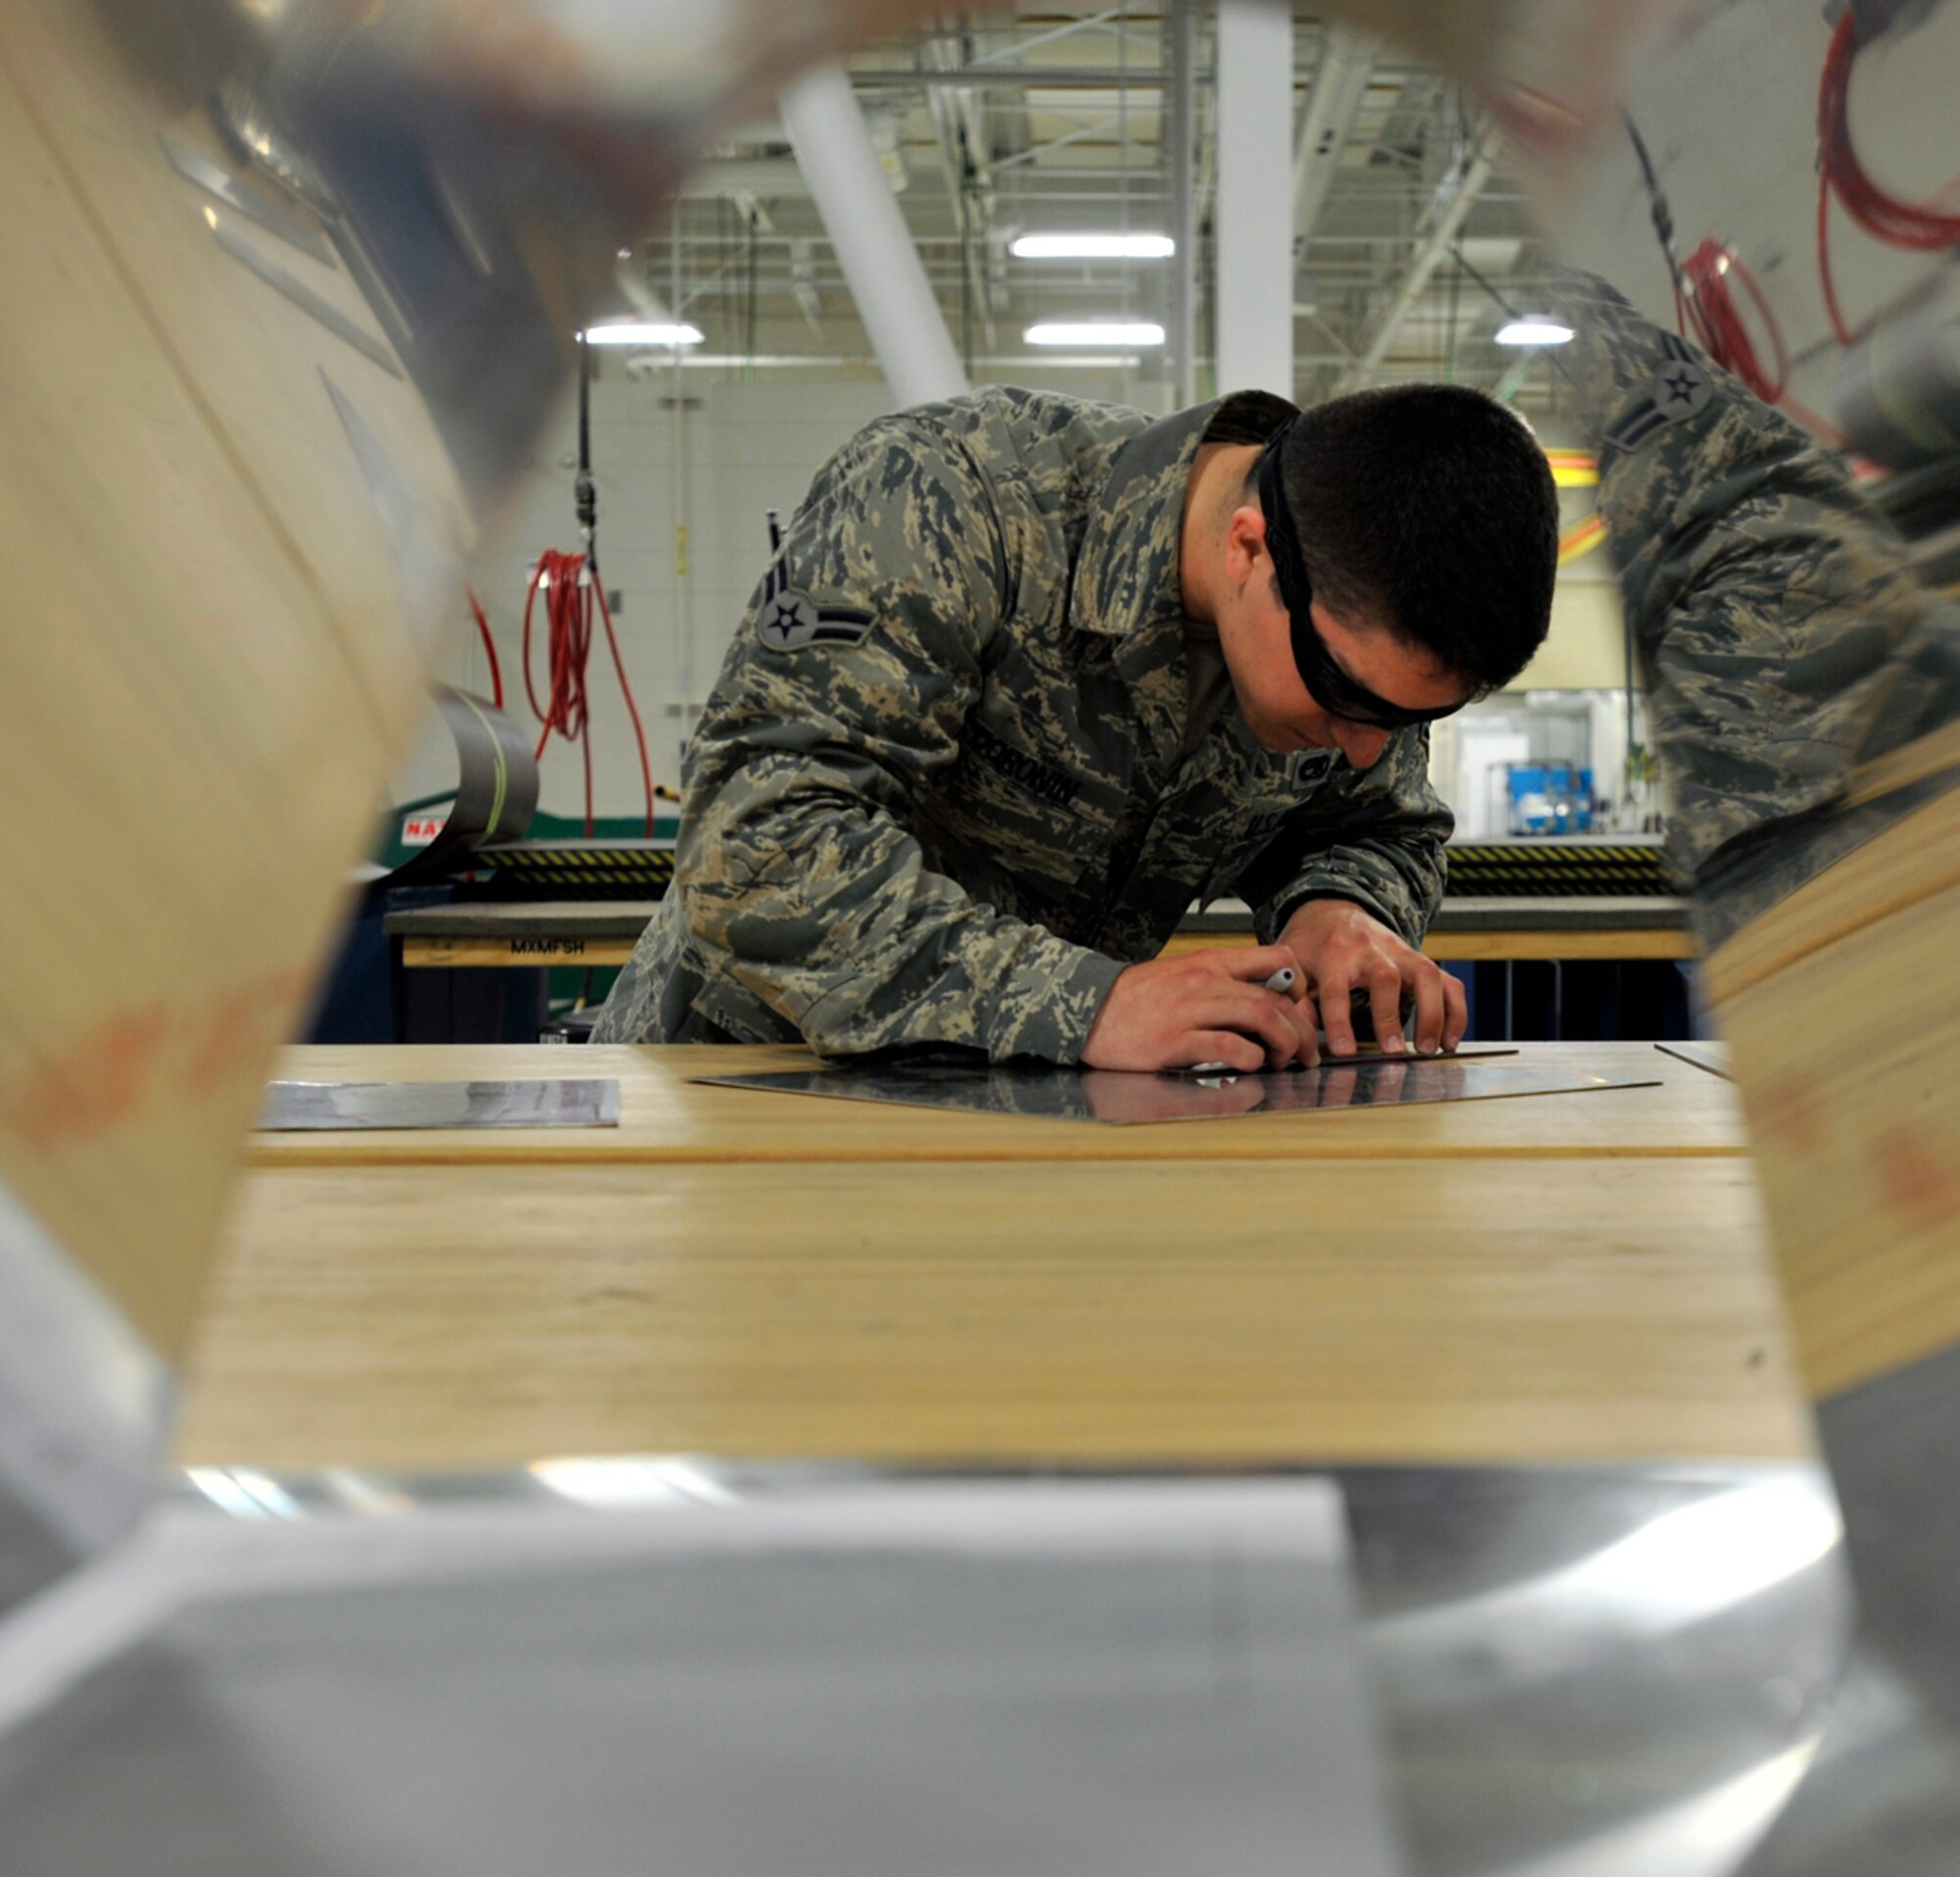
[[1332, 688]]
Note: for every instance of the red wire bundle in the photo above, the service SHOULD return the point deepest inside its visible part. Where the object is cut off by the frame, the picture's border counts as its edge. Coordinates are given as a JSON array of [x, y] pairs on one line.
[[1718, 321], [1904, 225], [489, 647], [571, 594]]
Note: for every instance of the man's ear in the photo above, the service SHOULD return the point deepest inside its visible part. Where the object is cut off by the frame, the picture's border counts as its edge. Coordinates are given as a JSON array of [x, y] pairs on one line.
[[1245, 542]]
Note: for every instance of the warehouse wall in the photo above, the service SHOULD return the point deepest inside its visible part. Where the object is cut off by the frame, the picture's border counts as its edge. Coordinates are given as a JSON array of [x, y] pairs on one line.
[[738, 448]]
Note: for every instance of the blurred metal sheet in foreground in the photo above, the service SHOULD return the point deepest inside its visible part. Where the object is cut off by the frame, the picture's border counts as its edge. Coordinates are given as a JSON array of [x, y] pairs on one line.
[[291, 1106], [967, 1677]]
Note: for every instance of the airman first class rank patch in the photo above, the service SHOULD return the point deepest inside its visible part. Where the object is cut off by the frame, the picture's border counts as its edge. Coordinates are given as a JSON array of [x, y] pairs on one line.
[[1679, 390], [789, 620]]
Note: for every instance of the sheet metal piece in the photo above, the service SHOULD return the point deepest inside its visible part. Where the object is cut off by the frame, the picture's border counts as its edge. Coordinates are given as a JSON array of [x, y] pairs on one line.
[[1713, 1057], [290, 1106], [1365, 1053], [1117, 1678], [1123, 1099]]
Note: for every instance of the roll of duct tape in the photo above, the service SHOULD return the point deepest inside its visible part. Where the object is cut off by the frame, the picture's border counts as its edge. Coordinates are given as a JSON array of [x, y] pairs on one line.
[[496, 789]]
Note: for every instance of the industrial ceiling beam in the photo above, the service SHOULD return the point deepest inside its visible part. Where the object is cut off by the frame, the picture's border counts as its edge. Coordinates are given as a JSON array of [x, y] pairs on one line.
[[1434, 244], [1340, 83], [1056, 77], [1067, 30], [970, 180]]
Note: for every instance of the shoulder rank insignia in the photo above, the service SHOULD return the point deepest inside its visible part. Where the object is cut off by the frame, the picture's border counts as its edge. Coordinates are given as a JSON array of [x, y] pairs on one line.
[[1680, 388], [790, 619]]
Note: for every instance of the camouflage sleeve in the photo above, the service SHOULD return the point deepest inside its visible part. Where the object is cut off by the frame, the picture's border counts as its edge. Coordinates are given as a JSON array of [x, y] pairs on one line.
[[1374, 836], [1784, 639], [846, 688]]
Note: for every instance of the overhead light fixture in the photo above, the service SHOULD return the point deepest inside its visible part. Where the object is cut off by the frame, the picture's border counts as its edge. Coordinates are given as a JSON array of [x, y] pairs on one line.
[[1095, 332], [643, 333], [1534, 331], [1092, 247]]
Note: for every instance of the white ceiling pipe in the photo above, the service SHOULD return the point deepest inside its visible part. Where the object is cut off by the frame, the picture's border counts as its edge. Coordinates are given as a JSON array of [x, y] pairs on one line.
[[1340, 83], [894, 299], [1254, 151]]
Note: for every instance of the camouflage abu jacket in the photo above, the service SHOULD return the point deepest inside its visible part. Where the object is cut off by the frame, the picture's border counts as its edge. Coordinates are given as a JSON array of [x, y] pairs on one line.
[[1786, 644], [939, 795]]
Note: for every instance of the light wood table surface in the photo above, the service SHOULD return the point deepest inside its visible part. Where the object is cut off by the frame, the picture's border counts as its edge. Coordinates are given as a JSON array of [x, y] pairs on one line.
[[1471, 1308], [666, 1118]]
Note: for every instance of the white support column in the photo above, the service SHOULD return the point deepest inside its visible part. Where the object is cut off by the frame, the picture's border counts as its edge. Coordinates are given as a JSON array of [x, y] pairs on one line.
[[1254, 284], [908, 333], [1180, 137]]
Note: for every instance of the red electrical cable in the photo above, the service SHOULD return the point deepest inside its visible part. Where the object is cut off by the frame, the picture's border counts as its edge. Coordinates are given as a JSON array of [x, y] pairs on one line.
[[1904, 225], [489, 647], [1718, 321], [1712, 311], [570, 592]]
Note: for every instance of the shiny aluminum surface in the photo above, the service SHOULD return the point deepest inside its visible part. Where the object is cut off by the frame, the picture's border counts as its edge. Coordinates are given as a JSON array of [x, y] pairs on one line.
[[1883, 1799], [335, 1107], [1117, 1098], [1579, 1672]]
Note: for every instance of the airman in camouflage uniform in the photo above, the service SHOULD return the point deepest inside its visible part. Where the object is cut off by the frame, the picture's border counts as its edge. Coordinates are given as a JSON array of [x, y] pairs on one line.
[[1786, 645], [967, 756]]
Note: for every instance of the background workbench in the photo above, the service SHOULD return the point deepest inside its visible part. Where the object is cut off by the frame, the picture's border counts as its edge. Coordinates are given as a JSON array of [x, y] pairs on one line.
[[1570, 1278], [597, 933]]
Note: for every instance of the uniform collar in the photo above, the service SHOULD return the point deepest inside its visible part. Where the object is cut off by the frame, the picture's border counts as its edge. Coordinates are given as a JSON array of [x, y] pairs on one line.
[[1127, 588], [1126, 570]]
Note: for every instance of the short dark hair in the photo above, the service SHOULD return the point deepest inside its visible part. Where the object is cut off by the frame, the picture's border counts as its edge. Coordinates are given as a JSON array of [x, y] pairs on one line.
[[1429, 509]]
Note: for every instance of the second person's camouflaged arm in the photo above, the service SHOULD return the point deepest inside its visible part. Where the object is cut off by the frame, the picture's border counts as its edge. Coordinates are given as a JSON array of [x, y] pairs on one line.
[[845, 689], [1373, 836], [1785, 641]]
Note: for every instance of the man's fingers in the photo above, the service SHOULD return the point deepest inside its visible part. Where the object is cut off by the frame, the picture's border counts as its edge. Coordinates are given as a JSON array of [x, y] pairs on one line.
[[1336, 1010], [1264, 1015], [1306, 1024], [1385, 1000], [1254, 964], [1230, 1047], [1267, 1016], [1431, 1012], [1456, 1008]]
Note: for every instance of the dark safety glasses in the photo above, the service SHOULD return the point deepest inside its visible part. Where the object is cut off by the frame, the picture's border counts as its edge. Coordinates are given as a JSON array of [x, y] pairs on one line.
[[1332, 688]]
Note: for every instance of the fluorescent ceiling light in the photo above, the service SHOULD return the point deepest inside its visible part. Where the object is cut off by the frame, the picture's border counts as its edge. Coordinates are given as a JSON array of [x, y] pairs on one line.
[[1534, 331], [1092, 247], [642, 332], [1095, 332]]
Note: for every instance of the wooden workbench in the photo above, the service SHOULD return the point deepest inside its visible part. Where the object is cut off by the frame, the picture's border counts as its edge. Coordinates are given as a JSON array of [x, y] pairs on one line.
[[665, 1118], [601, 933], [1552, 1279]]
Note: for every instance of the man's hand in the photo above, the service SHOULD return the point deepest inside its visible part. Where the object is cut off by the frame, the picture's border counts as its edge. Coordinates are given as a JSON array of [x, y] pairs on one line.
[[1206, 1007], [1344, 949]]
